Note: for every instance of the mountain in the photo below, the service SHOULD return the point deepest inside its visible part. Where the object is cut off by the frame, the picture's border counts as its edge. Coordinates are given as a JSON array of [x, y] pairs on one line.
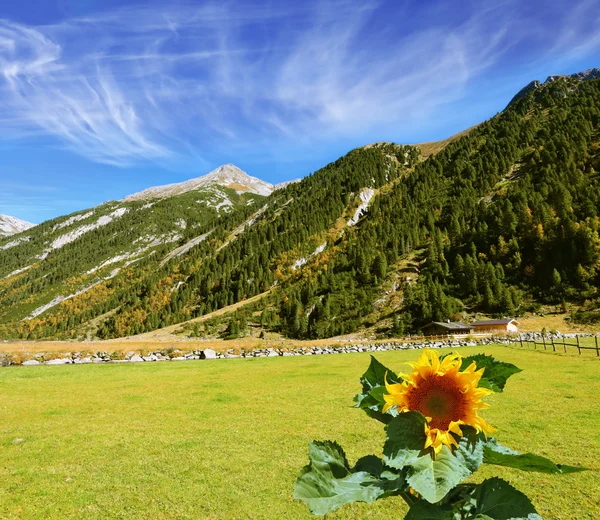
[[227, 176], [13, 225], [67, 258], [536, 84], [498, 220]]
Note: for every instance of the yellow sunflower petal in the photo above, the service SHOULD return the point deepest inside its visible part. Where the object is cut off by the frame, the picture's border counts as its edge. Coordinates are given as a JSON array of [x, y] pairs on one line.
[[447, 396]]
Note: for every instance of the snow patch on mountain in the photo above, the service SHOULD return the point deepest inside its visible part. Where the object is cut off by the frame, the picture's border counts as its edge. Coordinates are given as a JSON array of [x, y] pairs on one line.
[[130, 257], [154, 241], [226, 204], [113, 260], [60, 298], [18, 271], [74, 234], [241, 228], [134, 256], [282, 185], [13, 225], [185, 247], [72, 220], [366, 195], [298, 263], [320, 249], [218, 200], [15, 242], [302, 261]]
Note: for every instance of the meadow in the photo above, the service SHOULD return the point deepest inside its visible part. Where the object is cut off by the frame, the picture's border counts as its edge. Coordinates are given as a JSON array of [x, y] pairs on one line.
[[226, 439]]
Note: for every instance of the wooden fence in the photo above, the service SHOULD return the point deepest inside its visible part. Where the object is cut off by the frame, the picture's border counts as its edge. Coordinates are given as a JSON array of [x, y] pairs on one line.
[[546, 344]]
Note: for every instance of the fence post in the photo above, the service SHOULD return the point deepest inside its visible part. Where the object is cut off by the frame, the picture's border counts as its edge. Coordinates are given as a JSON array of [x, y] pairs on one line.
[[565, 345], [597, 349], [578, 345], [521, 340], [553, 346], [544, 340]]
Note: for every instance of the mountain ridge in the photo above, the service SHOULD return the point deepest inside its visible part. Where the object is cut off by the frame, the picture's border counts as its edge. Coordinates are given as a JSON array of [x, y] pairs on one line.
[[226, 175], [497, 220], [589, 74], [12, 225]]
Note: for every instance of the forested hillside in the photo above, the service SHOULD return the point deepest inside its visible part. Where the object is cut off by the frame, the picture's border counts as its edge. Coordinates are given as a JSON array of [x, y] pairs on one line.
[[503, 217], [62, 273]]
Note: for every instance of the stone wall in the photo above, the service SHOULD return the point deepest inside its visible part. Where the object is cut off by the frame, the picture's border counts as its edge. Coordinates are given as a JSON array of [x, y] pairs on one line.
[[176, 354]]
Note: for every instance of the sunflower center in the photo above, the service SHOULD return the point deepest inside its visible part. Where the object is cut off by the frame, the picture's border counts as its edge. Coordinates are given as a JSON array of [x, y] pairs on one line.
[[440, 398]]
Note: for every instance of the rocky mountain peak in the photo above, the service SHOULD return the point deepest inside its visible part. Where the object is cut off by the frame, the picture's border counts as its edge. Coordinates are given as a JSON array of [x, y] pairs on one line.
[[13, 225], [227, 175], [535, 84]]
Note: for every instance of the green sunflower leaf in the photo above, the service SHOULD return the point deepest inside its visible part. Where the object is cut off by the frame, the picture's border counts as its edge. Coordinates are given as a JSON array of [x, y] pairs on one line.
[[496, 372], [423, 510], [497, 499], [470, 448], [494, 453], [373, 388], [328, 482], [405, 440], [493, 499], [431, 477]]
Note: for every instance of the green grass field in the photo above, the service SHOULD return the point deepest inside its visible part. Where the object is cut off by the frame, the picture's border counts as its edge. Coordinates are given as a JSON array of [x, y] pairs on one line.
[[225, 439]]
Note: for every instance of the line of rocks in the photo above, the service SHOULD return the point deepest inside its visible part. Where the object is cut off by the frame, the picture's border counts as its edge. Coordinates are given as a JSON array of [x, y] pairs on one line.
[[171, 354]]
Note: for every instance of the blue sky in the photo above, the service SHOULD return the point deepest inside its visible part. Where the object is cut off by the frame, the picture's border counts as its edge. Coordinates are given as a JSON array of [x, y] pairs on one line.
[[104, 98]]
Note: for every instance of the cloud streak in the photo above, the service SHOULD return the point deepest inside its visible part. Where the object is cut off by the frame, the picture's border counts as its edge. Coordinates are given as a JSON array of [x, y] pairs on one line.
[[160, 83]]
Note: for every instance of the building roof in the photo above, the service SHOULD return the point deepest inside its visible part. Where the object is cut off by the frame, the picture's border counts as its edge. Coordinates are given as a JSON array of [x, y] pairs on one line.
[[504, 321], [450, 325]]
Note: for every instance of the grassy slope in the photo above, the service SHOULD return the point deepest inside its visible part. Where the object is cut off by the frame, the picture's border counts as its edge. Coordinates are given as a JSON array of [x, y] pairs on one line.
[[432, 147], [226, 439]]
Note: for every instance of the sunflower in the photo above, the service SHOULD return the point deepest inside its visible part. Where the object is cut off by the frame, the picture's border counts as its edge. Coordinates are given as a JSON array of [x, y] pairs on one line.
[[447, 397]]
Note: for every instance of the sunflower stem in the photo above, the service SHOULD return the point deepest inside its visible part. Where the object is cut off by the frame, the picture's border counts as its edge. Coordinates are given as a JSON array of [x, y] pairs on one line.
[[408, 498]]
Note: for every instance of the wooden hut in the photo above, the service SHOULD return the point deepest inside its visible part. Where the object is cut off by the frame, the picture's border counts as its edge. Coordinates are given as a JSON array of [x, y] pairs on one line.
[[441, 328], [504, 325]]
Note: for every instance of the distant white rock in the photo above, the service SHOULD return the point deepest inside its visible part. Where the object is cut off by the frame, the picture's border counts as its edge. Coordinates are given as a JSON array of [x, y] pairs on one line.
[[61, 298], [320, 249], [59, 361], [72, 220], [282, 185], [298, 263], [228, 176], [366, 195], [209, 353], [74, 234], [13, 225], [17, 271], [14, 242], [185, 247]]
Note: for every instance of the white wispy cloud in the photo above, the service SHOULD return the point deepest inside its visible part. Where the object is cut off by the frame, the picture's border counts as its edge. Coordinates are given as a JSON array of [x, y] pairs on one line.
[[155, 83], [578, 34]]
